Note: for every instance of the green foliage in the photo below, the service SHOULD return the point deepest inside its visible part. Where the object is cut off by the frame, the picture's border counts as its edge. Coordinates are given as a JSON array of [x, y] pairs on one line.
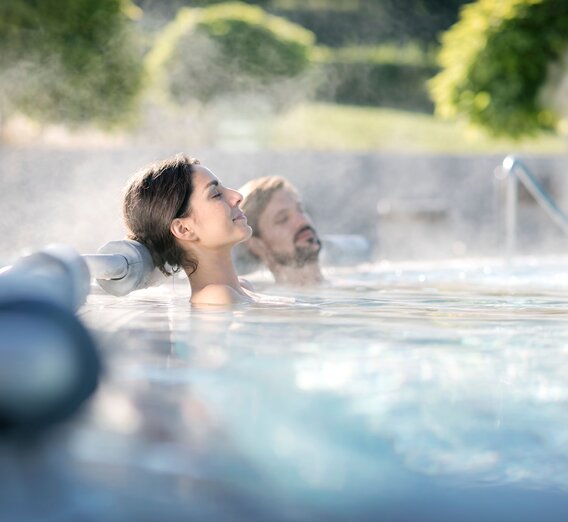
[[307, 127], [495, 62], [69, 60], [227, 48], [384, 75]]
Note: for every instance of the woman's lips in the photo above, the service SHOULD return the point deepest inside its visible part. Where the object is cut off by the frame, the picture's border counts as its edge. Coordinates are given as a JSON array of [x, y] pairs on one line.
[[240, 217]]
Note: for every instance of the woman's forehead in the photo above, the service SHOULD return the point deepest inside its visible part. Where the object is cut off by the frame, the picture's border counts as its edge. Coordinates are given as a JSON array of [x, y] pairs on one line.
[[202, 176]]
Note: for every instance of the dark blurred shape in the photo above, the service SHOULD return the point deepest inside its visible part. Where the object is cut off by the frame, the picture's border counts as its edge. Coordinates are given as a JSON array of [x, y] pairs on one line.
[[48, 365], [48, 361]]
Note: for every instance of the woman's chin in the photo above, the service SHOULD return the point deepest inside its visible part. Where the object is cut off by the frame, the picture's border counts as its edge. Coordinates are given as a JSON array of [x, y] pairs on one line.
[[247, 232]]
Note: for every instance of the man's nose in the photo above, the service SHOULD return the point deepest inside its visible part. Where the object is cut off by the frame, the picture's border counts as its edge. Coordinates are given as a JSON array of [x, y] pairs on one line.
[[301, 218]]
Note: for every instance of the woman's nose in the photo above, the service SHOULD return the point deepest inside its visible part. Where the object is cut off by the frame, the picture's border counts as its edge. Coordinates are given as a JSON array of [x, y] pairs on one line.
[[236, 197]]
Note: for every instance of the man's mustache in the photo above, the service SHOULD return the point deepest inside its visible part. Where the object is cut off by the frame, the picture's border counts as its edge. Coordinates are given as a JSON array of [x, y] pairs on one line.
[[304, 229]]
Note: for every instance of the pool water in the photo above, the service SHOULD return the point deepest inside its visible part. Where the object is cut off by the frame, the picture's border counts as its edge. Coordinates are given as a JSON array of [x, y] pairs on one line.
[[396, 392]]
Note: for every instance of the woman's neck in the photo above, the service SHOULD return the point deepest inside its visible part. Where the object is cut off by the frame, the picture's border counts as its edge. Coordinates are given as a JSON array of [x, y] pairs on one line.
[[215, 268]]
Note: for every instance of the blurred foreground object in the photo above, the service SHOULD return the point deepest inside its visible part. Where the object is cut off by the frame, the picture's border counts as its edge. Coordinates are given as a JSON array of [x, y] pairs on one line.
[[48, 361]]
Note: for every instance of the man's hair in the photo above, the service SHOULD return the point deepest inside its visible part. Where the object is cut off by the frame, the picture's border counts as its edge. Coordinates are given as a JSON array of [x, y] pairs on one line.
[[153, 198], [257, 193]]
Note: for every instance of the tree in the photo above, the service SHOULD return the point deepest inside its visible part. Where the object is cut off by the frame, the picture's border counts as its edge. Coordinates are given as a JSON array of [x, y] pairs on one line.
[[228, 49], [496, 61], [69, 60]]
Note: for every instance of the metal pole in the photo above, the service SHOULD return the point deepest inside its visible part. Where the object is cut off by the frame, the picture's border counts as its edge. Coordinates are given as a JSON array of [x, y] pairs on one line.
[[511, 202]]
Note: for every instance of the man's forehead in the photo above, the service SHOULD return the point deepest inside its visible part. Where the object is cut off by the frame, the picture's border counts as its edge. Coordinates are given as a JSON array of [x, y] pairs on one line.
[[281, 200]]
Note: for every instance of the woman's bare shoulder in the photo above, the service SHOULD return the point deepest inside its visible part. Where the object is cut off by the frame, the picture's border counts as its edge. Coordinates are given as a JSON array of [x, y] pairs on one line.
[[217, 295]]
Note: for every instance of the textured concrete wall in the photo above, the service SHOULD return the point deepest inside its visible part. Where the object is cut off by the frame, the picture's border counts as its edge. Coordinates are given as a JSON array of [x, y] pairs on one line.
[[408, 205]]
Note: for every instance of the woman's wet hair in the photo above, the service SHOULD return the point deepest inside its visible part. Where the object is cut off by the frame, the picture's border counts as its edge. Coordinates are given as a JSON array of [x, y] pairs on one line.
[[154, 197]]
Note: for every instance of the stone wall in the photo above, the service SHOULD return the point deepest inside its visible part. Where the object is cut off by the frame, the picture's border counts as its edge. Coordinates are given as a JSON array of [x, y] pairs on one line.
[[409, 206]]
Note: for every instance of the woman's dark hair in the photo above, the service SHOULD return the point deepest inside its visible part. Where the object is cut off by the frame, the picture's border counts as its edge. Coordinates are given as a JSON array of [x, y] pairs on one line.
[[154, 197]]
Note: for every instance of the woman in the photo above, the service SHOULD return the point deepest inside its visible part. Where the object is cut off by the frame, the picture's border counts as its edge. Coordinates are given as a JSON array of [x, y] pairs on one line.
[[188, 220]]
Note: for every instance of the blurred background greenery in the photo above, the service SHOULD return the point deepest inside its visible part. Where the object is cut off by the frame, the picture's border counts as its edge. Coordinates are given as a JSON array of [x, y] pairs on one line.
[[419, 75]]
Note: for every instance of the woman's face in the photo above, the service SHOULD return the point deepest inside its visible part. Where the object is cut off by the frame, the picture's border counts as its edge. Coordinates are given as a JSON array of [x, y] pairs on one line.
[[215, 218]]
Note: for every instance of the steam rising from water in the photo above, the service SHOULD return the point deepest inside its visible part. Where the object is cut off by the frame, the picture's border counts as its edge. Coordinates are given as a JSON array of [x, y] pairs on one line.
[[74, 196]]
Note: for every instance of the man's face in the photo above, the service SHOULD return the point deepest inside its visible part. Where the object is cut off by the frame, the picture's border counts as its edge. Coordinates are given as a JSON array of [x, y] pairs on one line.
[[287, 231]]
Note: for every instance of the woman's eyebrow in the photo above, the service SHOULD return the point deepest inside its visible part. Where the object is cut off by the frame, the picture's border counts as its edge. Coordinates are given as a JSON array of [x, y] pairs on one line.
[[213, 183]]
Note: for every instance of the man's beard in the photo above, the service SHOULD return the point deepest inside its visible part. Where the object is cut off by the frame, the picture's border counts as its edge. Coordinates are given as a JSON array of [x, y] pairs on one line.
[[303, 255]]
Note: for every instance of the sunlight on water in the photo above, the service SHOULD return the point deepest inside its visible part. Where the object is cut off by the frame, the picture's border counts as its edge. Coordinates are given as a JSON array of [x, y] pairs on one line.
[[382, 386]]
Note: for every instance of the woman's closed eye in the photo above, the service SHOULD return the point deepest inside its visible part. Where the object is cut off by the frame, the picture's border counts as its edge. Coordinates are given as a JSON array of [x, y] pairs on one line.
[[216, 194]]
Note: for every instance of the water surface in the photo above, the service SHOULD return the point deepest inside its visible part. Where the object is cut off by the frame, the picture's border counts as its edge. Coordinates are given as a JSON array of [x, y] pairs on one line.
[[396, 392]]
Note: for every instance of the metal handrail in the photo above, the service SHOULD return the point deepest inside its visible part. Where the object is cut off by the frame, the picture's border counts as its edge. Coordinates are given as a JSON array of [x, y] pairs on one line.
[[515, 170]]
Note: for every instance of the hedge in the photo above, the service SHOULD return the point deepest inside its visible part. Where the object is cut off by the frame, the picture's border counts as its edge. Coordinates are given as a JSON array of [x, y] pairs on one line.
[[227, 48], [372, 22], [496, 61], [70, 61], [379, 76]]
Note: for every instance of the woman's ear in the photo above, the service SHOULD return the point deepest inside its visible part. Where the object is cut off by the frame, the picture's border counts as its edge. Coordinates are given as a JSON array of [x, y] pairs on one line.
[[182, 230], [257, 247]]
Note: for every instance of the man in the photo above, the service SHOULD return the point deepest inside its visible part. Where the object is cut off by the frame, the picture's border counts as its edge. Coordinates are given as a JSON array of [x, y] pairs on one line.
[[283, 235]]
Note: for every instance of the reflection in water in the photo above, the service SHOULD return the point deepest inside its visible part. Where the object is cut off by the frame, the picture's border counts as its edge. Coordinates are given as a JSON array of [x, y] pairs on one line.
[[379, 397]]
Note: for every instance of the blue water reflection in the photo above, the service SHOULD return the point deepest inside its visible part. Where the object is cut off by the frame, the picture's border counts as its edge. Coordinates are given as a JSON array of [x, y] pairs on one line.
[[364, 401]]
